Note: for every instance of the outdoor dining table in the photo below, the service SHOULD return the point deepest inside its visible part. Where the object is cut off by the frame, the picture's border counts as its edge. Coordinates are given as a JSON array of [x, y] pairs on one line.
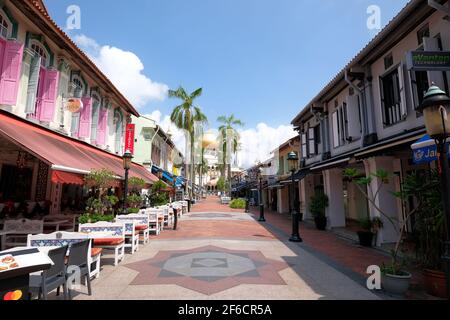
[[14, 282]]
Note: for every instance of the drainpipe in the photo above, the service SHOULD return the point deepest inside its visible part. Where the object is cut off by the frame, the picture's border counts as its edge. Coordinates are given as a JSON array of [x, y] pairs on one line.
[[363, 106], [434, 4]]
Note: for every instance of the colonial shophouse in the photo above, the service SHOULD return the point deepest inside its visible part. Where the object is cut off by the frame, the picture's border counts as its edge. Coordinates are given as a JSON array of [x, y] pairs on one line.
[[366, 118], [60, 117]]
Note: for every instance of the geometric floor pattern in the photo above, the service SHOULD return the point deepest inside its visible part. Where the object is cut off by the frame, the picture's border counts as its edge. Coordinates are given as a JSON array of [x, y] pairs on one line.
[[208, 270]]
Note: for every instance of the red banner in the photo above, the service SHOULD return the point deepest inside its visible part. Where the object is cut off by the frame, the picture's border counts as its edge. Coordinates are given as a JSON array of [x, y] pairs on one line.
[[129, 138]]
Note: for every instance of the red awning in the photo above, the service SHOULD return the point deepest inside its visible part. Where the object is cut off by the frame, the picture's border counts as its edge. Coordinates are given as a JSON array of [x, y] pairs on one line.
[[63, 153], [67, 178]]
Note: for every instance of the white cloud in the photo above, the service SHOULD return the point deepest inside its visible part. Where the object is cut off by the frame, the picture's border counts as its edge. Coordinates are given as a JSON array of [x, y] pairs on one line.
[[258, 143], [125, 70]]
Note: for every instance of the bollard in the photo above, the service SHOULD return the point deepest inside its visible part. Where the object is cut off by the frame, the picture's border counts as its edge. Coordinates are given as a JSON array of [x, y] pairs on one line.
[[175, 221]]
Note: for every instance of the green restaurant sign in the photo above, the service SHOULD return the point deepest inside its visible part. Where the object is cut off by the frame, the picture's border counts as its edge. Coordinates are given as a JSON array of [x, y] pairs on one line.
[[428, 60]]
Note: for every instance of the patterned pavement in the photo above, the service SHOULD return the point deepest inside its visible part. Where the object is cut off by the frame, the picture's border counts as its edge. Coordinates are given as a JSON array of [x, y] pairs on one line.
[[223, 254]]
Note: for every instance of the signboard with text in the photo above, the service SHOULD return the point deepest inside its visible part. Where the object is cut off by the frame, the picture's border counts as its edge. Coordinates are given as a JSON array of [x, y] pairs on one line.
[[129, 137], [428, 60]]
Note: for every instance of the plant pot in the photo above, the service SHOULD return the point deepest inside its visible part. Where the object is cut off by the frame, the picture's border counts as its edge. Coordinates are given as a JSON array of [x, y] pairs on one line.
[[397, 285], [321, 223], [365, 238], [435, 283]]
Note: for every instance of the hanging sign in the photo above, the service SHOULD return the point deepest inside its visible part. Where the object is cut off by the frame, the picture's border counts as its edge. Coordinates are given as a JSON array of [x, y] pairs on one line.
[[428, 60], [129, 137]]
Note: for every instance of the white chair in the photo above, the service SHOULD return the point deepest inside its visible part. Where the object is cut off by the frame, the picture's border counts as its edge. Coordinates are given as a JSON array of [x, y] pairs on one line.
[[154, 226], [131, 234], [142, 224], [108, 236], [168, 220], [226, 200], [61, 239], [21, 228]]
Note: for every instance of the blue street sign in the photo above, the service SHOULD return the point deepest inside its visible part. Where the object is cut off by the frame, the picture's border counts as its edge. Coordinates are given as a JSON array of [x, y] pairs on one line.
[[425, 150]]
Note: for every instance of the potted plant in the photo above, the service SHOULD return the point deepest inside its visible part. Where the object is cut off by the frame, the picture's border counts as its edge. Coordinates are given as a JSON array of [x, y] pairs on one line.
[[319, 203], [429, 228], [369, 230], [395, 279]]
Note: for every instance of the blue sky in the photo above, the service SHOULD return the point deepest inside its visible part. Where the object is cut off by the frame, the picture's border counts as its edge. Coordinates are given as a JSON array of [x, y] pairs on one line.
[[259, 59], [262, 60]]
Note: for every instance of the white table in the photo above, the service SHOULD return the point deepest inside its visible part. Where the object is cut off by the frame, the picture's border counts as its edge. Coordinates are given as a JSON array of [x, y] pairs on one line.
[[3, 235]]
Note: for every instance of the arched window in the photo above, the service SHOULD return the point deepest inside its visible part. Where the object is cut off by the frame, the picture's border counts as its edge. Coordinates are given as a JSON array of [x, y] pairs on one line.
[[118, 119], [77, 89], [39, 51], [5, 27], [96, 103]]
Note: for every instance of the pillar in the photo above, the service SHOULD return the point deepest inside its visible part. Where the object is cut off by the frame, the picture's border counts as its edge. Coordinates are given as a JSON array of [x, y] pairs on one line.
[[385, 200], [283, 200], [306, 192], [334, 189]]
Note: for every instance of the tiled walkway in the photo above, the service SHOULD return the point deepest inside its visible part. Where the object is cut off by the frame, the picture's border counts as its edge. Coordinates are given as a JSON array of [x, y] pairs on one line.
[[218, 253]]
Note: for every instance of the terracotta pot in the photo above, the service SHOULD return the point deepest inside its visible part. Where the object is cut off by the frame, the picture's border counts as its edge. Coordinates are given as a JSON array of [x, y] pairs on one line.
[[365, 238], [435, 283]]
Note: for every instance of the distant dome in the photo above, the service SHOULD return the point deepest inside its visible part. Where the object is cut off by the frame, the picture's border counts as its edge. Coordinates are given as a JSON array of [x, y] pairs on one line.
[[209, 140]]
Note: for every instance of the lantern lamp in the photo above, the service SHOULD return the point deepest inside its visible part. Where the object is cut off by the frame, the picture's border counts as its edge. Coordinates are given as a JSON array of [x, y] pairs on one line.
[[436, 112]]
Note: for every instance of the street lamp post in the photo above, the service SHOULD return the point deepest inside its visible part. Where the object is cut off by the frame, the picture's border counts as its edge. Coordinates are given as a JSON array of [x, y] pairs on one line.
[[175, 211], [261, 202], [127, 158], [293, 166], [436, 111], [247, 198]]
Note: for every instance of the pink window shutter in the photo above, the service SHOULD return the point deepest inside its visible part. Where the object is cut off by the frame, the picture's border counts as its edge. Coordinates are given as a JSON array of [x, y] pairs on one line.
[[84, 129], [102, 126], [10, 72], [2, 51], [48, 92]]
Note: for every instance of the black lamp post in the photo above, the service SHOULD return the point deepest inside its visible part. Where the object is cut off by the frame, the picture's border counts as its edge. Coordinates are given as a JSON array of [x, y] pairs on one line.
[[127, 158], [175, 211], [261, 202], [247, 198], [436, 111], [293, 166]]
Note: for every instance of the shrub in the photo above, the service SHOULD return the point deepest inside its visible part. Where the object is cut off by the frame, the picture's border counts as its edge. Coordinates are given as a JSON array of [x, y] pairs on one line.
[[237, 204], [318, 205], [93, 218]]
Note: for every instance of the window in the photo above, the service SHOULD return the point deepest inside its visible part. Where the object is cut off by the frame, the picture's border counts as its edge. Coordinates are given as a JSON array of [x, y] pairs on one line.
[[312, 142], [423, 32], [304, 146], [96, 103], [340, 126], [388, 61], [78, 89], [118, 119], [4, 27], [393, 97], [39, 51]]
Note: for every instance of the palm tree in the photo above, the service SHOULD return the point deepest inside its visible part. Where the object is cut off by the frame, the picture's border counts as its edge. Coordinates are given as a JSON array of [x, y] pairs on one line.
[[184, 116], [228, 126]]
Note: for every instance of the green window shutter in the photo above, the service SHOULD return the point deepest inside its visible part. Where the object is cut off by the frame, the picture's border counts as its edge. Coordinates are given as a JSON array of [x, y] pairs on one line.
[[33, 83]]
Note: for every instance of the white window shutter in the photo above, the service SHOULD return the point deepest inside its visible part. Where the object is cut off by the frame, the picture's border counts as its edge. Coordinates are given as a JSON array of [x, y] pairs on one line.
[[33, 82], [312, 142], [335, 129], [304, 148], [402, 87], [432, 44], [353, 118]]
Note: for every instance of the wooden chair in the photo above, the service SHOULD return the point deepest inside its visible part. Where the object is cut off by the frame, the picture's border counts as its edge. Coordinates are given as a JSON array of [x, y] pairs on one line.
[[21, 228], [108, 236], [62, 238], [142, 224], [131, 234]]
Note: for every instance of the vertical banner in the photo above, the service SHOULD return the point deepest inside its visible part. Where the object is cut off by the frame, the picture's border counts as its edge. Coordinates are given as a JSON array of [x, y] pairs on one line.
[[129, 137]]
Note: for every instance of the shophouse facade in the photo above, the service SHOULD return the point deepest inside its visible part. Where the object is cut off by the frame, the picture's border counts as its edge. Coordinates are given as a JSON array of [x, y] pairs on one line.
[[366, 118], [61, 116]]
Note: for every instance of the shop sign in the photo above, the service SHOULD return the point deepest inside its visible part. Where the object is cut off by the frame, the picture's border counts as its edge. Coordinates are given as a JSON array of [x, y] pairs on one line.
[[428, 60], [427, 154], [129, 137]]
